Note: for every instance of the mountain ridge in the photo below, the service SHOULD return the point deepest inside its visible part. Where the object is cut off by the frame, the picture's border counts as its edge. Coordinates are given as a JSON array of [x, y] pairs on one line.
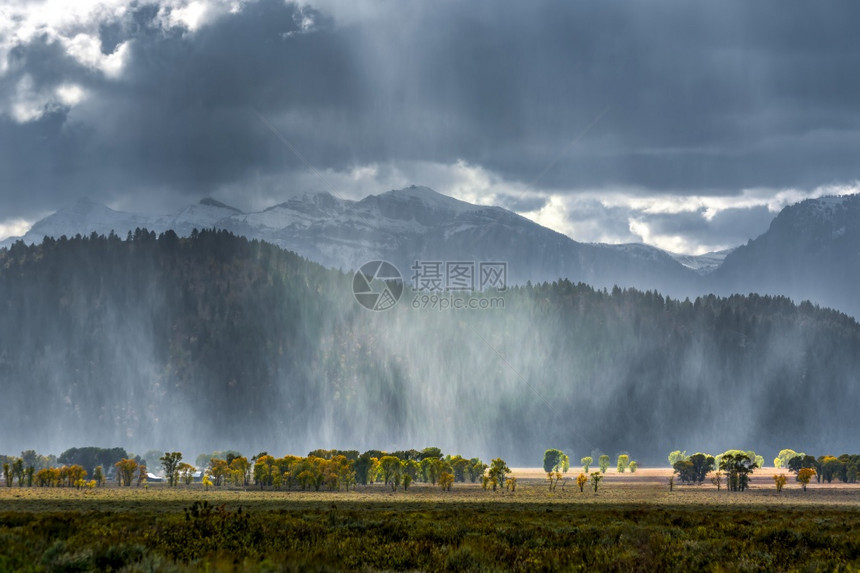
[[400, 225], [418, 223], [810, 251]]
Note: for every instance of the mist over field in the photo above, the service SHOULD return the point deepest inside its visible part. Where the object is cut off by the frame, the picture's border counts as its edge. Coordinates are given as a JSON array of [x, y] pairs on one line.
[[215, 342]]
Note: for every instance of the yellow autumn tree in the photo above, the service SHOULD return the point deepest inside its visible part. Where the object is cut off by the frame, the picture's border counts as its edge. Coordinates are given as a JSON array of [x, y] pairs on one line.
[[804, 476], [125, 469], [779, 480], [446, 480]]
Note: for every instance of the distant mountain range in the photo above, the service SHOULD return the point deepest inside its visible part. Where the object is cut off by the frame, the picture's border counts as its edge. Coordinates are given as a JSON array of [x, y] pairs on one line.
[[811, 251]]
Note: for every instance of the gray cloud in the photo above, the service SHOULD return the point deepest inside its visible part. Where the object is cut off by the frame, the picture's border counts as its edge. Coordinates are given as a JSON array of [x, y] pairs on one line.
[[704, 99], [729, 227]]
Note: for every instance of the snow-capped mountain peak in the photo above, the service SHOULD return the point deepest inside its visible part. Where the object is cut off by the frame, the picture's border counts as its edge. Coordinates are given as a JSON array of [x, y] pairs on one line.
[[82, 216], [205, 214], [703, 264], [424, 197]]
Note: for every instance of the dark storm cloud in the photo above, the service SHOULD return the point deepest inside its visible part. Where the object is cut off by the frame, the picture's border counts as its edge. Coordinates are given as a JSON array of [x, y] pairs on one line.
[[703, 98], [181, 116]]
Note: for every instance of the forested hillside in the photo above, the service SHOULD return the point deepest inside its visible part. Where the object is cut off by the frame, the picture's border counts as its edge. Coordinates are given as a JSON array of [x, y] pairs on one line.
[[215, 341]]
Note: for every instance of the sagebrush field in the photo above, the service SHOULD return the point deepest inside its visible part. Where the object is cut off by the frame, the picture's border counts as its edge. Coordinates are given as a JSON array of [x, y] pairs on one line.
[[633, 523]]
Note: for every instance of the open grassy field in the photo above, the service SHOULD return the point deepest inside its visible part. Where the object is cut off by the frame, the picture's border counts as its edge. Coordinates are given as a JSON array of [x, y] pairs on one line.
[[632, 523]]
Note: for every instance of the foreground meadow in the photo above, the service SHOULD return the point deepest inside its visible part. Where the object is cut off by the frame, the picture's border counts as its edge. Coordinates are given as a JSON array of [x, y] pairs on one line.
[[631, 523]]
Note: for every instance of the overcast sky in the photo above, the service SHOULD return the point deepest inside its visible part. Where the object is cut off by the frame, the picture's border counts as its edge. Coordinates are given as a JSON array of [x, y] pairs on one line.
[[685, 125]]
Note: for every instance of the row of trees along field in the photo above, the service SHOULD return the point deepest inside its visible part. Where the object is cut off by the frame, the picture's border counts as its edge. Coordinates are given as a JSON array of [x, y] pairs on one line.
[[556, 463], [735, 467], [331, 470]]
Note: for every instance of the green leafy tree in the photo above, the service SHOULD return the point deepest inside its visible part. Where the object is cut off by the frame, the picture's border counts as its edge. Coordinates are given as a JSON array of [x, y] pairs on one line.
[[431, 452], [797, 463], [18, 471], [677, 456], [555, 461], [785, 456], [738, 467], [754, 458], [459, 464], [170, 461], [622, 463], [603, 463], [852, 471], [586, 463], [595, 480], [88, 457], [391, 470], [412, 469], [830, 467], [476, 470], [695, 468], [99, 475], [633, 467], [430, 469], [362, 467], [498, 472]]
